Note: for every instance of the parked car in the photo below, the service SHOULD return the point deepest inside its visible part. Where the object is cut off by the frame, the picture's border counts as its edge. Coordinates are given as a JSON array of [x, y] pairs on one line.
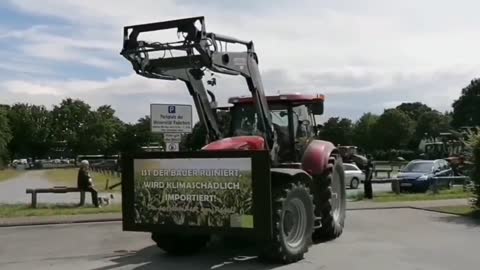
[[419, 175], [353, 175]]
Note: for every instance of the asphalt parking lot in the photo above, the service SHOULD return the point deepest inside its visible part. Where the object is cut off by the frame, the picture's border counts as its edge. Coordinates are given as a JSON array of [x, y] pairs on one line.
[[373, 239]]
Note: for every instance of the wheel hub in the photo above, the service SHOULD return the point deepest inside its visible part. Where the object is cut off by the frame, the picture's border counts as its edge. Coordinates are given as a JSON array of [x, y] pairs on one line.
[[337, 195], [294, 223]]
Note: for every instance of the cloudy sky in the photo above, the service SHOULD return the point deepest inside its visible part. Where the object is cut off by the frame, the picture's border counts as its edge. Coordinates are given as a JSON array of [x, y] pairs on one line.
[[363, 55]]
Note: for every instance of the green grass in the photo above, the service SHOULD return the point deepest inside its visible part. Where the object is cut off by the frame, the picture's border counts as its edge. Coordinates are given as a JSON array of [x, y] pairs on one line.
[[23, 210], [68, 177], [456, 193], [8, 174], [465, 210]]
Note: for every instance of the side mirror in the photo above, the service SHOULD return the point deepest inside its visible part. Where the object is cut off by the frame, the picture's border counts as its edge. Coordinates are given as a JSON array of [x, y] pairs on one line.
[[317, 108], [305, 122]]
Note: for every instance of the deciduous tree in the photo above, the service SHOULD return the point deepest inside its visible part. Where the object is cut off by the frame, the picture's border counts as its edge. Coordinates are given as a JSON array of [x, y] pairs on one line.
[[414, 109], [431, 123], [393, 130], [337, 130], [31, 130], [71, 118], [363, 131], [5, 136], [466, 109]]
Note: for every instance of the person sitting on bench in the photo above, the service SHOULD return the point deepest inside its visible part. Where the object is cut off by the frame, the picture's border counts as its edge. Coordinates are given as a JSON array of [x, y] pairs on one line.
[[85, 183]]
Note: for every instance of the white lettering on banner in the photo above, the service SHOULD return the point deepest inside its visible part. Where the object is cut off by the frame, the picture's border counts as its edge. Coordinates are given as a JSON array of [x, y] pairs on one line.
[[192, 172], [190, 197], [193, 185]]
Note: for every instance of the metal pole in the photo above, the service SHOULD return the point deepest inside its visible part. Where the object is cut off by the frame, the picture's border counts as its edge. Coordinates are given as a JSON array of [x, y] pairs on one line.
[[396, 186], [434, 185], [367, 185]]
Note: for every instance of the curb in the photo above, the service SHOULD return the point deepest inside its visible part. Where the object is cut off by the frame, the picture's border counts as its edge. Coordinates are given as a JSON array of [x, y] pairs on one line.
[[406, 207], [106, 220], [119, 219], [378, 208], [437, 211], [58, 222]]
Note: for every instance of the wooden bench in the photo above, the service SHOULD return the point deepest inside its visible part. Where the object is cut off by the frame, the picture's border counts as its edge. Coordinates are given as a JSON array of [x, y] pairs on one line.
[[389, 171], [59, 189]]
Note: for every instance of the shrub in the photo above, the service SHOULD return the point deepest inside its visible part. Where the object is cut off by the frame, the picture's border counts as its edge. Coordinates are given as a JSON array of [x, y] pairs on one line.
[[476, 170]]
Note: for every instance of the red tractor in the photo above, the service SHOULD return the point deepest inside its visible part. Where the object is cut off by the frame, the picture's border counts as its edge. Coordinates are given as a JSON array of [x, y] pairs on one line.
[[298, 181]]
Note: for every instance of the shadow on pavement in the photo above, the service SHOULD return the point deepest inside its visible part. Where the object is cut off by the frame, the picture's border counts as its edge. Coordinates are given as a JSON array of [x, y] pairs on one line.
[[472, 220], [214, 258]]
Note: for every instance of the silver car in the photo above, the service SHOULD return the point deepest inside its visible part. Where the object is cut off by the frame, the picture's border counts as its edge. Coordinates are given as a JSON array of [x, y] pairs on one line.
[[353, 175]]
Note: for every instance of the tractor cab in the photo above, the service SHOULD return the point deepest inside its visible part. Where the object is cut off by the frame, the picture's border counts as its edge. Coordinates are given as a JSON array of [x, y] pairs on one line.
[[435, 150], [347, 150], [292, 117]]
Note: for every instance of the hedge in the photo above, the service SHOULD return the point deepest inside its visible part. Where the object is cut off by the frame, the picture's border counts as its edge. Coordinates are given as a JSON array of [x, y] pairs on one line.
[[476, 170]]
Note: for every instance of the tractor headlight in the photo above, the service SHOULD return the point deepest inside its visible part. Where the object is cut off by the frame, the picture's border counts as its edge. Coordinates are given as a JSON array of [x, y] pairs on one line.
[[423, 177]]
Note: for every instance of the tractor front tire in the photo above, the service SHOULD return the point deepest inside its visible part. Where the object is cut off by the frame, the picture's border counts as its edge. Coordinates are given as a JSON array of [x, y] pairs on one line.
[[330, 201], [179, 244], [293, 218]]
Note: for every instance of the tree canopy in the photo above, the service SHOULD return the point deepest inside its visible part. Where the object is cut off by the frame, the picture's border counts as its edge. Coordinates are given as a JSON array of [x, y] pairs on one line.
[[466, 109], [414, 109], [5, 136], [28, 130], [31, 131], [30, 127], [431, 124], [338, 131], [393, 129], [363, 131]]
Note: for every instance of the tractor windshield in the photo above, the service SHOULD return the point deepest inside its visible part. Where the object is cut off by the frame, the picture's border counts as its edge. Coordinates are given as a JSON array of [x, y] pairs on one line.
[[245, 122]]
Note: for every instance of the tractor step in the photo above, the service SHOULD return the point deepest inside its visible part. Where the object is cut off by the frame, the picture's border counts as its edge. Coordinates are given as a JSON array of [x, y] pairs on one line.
[[317, 223]]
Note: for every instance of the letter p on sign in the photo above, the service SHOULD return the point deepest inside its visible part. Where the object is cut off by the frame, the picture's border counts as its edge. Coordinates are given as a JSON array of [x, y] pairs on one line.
[[171, 109]]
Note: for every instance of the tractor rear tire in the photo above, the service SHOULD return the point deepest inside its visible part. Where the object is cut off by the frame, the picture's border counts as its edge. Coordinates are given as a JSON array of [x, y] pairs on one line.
[[330, 201], [293, 218], [179, 244]]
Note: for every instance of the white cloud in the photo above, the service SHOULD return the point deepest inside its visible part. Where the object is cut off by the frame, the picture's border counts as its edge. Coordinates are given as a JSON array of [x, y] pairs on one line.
[[364, 56], [66, 53], [37, 41], [22, 87]]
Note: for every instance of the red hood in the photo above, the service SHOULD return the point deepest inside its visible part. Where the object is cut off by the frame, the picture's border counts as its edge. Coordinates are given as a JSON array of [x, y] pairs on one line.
[[237, 143]]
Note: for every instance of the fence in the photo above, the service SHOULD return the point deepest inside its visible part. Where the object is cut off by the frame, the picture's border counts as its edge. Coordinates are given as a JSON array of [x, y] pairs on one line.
[[108, 172], [386, 167], [465, 181]]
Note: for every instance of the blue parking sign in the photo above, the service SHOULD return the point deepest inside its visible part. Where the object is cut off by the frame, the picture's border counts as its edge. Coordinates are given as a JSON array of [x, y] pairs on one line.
[[171, 109]]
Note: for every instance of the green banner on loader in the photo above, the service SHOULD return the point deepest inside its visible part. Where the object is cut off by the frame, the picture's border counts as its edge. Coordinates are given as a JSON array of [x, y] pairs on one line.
[[207, 192]]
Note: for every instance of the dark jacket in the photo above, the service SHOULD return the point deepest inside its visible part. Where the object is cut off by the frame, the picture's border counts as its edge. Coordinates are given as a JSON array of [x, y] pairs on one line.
[[83, 179]]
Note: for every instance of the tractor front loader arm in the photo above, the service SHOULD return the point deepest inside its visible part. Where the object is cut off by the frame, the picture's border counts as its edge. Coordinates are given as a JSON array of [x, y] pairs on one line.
[[201, 50], [181, 68], [194, 83]]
